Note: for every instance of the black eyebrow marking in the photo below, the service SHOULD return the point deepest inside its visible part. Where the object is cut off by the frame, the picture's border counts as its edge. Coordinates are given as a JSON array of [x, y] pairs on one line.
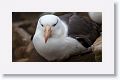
[[55, 23]]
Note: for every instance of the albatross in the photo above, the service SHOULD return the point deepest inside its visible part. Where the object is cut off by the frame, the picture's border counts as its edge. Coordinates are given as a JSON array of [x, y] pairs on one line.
[[51, 39]]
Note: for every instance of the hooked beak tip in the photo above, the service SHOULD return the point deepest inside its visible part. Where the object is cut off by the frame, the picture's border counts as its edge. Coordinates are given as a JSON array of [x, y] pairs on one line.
[[45, 41], [47, 33]]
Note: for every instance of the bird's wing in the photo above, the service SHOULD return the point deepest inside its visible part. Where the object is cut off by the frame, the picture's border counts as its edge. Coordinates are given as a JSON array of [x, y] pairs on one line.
[[66, 17], [81, 30]]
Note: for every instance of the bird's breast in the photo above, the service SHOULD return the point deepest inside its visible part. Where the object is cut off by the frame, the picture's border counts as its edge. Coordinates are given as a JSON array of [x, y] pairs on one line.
[[53, 47], [56, 48]]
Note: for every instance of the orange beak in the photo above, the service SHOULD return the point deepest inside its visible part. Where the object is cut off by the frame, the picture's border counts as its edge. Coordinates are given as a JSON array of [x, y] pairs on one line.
[[47, 33]]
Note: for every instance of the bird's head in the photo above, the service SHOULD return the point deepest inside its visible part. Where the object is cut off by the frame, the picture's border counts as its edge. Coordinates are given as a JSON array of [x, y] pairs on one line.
[[51, 26]]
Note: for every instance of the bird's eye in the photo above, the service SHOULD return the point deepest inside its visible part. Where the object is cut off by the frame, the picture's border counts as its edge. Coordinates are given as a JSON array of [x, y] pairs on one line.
[[42, 25], [55, 23]]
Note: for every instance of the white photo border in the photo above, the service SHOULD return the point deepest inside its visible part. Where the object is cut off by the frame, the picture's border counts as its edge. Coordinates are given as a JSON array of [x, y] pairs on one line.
[[104, 67]]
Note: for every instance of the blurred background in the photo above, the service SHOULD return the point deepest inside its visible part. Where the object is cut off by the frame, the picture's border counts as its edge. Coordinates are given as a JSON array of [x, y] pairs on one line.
[[23, 27]]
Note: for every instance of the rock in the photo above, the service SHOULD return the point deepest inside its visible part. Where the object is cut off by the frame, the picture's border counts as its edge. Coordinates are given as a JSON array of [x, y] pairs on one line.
[[97, 49]]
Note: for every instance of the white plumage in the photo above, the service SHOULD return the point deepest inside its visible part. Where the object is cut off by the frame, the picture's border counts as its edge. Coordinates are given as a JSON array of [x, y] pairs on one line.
[[96, 16], [51, 39]]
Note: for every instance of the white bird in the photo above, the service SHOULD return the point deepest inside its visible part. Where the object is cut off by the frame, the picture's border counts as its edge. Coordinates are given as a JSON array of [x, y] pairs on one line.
[[96, 16], [51, 39]]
